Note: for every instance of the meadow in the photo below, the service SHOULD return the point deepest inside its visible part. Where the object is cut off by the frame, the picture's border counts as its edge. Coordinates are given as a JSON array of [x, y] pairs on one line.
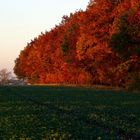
[[68, 113]]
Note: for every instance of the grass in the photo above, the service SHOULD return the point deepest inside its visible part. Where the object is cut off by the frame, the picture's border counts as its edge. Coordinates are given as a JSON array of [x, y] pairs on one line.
[[68, 113]]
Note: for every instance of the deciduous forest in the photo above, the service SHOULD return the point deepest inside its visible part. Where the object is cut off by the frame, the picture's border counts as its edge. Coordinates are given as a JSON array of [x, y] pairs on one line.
[[100, 45]]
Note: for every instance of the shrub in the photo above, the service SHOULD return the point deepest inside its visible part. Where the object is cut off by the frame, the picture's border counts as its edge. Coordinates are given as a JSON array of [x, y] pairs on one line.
[[134, 82]]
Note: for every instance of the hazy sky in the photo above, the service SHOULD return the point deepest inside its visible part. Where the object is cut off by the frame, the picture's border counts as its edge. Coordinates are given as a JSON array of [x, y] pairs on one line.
[[22, 20]]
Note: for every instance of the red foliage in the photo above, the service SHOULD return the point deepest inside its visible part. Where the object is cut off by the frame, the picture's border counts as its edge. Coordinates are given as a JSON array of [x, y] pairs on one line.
[[78, 51]]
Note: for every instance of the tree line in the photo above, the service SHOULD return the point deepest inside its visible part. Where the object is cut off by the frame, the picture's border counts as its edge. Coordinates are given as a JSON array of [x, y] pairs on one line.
[[100, 45]]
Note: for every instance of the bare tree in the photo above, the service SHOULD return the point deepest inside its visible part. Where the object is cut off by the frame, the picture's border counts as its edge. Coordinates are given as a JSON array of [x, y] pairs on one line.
[[5, 76]]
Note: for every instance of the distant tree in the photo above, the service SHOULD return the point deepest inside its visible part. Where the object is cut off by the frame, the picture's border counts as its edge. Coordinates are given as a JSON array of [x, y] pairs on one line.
[[5, 76]]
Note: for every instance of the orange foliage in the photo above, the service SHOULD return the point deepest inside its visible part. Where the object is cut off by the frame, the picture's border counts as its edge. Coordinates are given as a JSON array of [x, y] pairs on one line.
[[80, 50]]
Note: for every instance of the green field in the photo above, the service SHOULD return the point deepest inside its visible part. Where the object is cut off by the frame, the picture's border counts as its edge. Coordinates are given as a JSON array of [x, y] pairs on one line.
[[68, 113]]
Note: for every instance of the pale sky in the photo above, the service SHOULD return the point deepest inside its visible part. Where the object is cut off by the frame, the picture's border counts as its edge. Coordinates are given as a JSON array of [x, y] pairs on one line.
[[22, 20]]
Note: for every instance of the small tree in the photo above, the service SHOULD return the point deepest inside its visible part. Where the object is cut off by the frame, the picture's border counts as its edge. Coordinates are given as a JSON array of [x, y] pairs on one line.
[[5, 76]]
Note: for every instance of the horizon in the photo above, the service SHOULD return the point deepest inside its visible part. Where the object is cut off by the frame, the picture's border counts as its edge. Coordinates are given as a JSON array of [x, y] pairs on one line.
[[22, 21]]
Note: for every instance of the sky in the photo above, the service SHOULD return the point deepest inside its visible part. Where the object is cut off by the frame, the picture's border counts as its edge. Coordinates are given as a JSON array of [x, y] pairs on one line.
[[23, 20]]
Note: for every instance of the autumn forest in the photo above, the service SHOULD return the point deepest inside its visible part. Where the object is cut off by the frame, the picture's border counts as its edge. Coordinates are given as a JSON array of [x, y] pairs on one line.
[[100, 45]]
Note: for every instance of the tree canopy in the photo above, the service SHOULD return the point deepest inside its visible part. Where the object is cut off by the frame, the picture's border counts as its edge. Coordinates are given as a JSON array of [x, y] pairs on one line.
[[100, 45]]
